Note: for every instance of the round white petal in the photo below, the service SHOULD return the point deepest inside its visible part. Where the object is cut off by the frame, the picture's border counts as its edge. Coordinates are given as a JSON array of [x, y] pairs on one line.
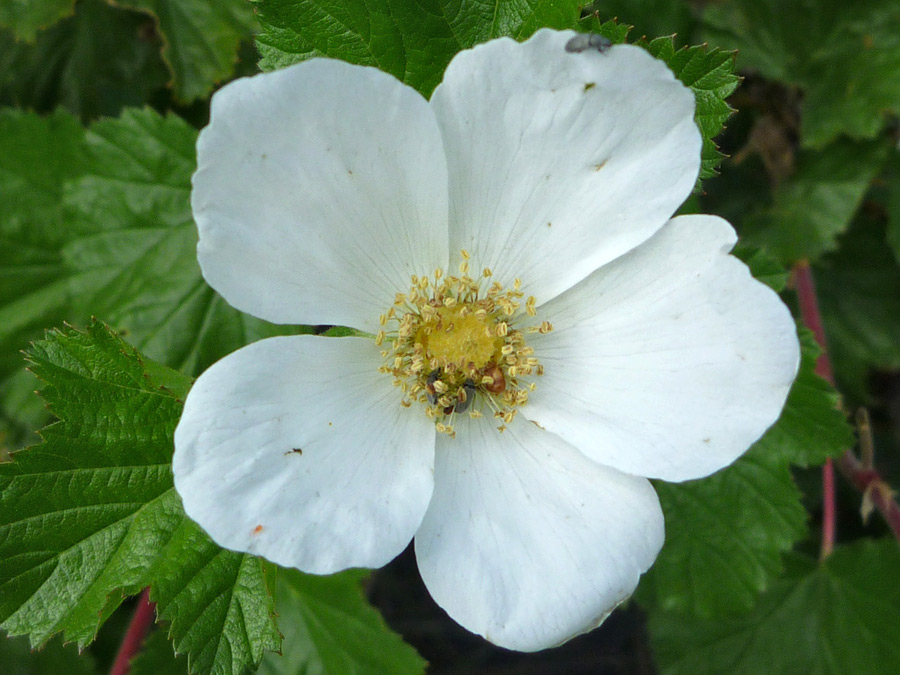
[[561, 162], [320, 189], [668, 362], [296, 449], [526, 541]]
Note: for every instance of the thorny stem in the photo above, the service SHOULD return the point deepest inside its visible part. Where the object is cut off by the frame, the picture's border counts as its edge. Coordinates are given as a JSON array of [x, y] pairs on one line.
[[876, 493], [134, 636]]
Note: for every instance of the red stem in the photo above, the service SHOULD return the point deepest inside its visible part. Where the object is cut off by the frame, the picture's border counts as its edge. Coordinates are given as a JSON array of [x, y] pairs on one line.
[[875, 491], [873, 488], [134, 636], [829, 510], [809, 310]]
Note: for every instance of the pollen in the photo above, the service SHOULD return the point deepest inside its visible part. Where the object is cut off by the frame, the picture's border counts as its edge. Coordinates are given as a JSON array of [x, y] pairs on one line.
[[456, 344]]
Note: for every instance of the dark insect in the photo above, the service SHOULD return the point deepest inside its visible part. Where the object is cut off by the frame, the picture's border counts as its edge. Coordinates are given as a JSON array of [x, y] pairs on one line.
[[465, 397], [294, 451], [429, 386], [584, 41]]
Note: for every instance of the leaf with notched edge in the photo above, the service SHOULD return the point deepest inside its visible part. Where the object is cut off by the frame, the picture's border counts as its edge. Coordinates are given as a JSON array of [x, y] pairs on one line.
[[90, 515]]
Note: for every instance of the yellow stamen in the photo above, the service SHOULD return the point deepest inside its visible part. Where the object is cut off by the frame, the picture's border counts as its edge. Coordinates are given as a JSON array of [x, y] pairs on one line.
[[456, 347]]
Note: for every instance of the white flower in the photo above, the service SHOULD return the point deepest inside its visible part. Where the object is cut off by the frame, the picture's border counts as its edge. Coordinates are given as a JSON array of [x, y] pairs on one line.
[[323, 188]]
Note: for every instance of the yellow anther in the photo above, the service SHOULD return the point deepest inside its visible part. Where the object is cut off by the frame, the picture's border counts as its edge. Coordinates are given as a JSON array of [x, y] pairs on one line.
[[457, 348]]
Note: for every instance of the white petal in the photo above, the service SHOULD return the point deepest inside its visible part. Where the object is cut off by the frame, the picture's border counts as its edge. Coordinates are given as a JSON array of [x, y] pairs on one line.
[[526, 541], [669, 362], [321, 188], [297, 449], [561, 162]]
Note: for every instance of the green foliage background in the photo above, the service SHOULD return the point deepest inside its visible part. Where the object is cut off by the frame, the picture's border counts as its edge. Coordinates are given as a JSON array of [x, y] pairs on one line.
[[100, 103]]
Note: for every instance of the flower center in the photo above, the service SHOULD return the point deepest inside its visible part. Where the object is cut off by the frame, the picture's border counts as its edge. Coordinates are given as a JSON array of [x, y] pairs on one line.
[[459, 335], [456, 346]]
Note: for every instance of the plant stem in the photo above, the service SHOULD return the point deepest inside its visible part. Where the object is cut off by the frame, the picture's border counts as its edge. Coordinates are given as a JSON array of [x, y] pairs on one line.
[[829, 510], [876, 493], [809, 310], [134, 636]]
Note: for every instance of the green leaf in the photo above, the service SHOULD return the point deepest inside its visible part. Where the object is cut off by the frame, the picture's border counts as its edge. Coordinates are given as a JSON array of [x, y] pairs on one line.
[[138, 267], [830, 618], [891, 199], [710, 75], [763, 266], [414, 41], [218, 602], [845, 57], [725, 534], [811, 427], [25, 17], [37, 155], [93, 63], [201, 39], [859, 297], [90, 515], [157, 657], [724, 537], [21, 412], [649, 18], [816, 204], [329, 628], [103, 227], [17, 658], [99, 224]]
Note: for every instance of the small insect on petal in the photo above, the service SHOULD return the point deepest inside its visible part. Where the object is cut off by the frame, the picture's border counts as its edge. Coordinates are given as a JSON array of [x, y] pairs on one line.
[[430, 391], [584, 41], [465, 397]]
